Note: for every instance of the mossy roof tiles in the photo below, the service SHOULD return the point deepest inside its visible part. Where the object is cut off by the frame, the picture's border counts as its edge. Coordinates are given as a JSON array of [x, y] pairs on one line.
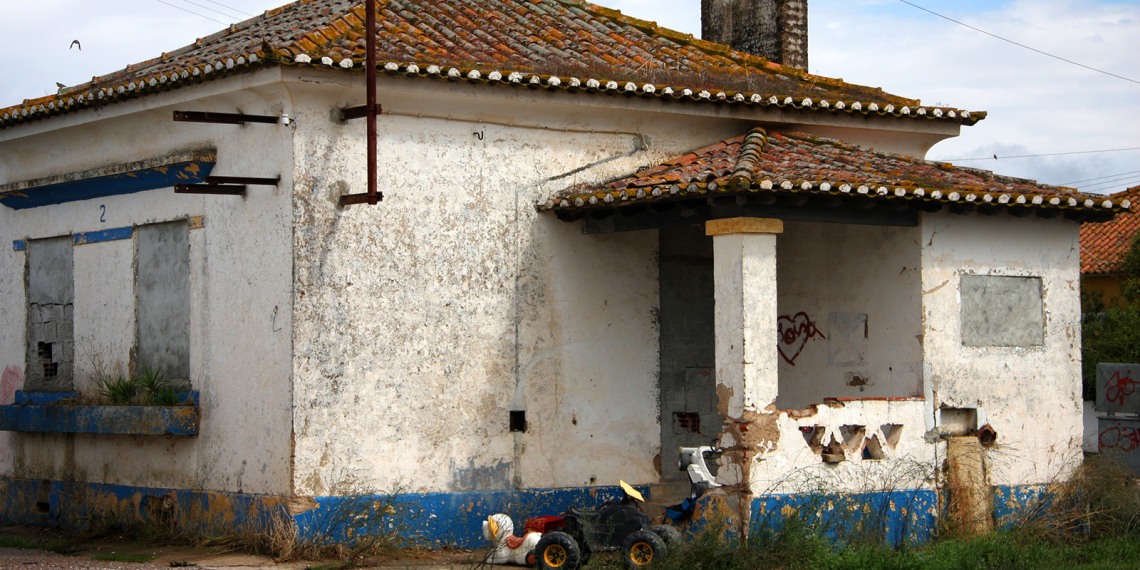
[[1104, 246], [789, 162], [552, 44]]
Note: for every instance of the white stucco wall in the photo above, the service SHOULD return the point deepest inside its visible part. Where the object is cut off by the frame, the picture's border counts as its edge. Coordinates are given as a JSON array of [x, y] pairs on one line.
[[1030, 395], [240, 283], [849, 270], [421, 322]]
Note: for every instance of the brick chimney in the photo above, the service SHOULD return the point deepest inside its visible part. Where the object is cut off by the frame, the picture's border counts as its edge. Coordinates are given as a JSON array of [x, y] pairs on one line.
[[773, 29]]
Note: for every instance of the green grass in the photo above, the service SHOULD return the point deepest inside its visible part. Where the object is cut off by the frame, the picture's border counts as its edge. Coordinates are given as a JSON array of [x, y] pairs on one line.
[[57, 546], [139, 558], [1000, 551]]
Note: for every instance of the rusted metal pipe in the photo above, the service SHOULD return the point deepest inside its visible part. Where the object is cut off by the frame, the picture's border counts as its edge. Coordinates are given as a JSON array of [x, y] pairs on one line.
[[370, 58]]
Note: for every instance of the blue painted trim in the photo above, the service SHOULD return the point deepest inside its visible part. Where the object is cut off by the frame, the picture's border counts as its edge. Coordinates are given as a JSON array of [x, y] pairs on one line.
[[1014, 502], [447, 519], [907, 516], [71, 505], [112, 185], [454, 518], [124, 420], [19, 245], [42, 398], [103, 235]]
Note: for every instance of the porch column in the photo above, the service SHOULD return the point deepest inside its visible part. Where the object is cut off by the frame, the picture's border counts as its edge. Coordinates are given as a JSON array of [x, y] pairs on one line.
[[744, 276]]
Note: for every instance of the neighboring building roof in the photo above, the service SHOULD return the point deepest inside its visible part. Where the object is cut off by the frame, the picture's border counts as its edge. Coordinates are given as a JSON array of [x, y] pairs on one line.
[[1104, 246], [795, 163], [564, 45]]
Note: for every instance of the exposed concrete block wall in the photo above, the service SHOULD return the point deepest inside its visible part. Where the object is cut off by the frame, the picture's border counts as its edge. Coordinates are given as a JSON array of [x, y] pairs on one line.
[[240, 289], [851, 312], [1030, 394], [773, 29], [50, 319]]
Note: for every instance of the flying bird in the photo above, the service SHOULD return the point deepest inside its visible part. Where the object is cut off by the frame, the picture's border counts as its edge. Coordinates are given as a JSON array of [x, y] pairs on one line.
[[75, 43]]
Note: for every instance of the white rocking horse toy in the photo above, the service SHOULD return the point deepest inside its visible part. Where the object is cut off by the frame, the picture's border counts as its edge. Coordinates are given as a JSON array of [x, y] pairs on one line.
[[499, 530]]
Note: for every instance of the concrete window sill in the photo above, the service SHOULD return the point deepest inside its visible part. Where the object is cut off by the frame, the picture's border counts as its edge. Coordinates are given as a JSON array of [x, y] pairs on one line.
[[42, 417]]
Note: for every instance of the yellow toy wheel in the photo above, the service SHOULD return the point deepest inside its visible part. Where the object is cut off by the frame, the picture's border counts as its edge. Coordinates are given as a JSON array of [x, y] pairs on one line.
[[641, 549], [557, 551]]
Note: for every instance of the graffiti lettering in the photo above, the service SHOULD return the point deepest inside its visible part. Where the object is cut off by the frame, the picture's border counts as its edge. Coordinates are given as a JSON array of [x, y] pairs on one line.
[[1123, 439], [1119, 387], [793, 333]]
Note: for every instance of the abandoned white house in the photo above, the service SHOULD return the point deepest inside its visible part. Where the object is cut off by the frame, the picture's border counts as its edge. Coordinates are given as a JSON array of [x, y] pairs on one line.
[[555, 291]]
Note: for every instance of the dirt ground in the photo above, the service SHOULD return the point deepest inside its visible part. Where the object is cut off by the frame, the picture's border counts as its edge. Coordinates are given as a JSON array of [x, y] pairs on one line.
[[78, 553]]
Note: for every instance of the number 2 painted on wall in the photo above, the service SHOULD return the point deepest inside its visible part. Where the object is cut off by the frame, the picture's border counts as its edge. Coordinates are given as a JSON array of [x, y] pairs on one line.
[[102, 213]]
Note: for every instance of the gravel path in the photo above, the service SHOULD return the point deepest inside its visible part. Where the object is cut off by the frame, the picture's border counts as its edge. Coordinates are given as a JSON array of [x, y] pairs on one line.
[[16, 558]]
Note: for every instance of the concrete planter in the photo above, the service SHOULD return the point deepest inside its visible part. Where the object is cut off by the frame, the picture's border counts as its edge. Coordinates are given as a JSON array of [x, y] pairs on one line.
[[126, 420]]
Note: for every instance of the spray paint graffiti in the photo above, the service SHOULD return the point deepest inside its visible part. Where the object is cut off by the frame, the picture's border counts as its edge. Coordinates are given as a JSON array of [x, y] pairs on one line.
[[1123, 439], [1119, 387], [794, 332], [9, 382]]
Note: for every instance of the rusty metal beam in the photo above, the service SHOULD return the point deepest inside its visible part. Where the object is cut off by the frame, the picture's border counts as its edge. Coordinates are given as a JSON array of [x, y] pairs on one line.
[[357, 112], [225, 189], [370, 109], [223, 118], [243, 180]]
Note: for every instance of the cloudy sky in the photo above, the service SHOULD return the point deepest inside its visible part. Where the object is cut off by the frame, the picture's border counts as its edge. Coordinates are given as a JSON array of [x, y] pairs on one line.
[[1037, 105]]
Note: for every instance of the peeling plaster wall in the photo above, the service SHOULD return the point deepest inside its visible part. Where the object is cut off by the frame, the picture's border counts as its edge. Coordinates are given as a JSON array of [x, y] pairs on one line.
[[1030, 395], [422, 321], [860, 334], [240, 287], [796, 465]]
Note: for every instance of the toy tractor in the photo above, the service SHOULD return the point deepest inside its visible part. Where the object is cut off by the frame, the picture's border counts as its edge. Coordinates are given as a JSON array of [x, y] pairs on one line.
[[614, 525]]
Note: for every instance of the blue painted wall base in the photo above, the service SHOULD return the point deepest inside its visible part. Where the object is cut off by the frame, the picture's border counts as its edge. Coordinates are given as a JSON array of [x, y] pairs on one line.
[[455, 519]]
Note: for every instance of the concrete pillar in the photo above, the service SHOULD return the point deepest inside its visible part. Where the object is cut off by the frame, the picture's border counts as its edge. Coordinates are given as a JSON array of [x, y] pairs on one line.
[[744, 276]]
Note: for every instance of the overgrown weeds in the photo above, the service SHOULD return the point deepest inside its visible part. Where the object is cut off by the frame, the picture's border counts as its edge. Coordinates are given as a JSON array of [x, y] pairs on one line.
[[1090, 521], [151, 388]]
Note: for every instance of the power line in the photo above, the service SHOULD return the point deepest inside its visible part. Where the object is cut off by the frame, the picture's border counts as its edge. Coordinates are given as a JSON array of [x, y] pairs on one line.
[[1126, 182], [1100, 178], [230, 8], [208, 8], [192, 12], [996, 157], [1019, 45]]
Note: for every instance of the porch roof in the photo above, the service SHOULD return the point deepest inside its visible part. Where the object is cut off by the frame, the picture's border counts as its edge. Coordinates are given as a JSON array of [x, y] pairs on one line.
[[790, 164], [1104, 246]]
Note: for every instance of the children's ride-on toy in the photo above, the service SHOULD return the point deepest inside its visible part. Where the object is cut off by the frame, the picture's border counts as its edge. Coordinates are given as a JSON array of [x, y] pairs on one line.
[[615, 525]]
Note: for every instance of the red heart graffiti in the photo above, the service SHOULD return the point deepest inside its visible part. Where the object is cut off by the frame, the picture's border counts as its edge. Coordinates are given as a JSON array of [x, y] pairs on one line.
[[793, 333]]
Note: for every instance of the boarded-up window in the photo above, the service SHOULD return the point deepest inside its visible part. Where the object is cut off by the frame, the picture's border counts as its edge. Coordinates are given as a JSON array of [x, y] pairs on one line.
[[51, 298], [1002, 311], [164, 300]]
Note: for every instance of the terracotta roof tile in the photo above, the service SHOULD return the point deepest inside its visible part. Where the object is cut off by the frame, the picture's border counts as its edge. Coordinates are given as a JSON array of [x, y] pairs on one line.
[[563, 38], [789, 162], [1103, 246]]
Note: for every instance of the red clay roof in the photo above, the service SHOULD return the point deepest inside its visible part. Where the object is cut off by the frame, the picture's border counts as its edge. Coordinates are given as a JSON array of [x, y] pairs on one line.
[[1103, 246], [552, 44], [798, 163]]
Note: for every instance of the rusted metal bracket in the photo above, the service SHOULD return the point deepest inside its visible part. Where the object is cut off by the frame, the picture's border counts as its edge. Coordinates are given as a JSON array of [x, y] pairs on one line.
[[226, 189], [223, 118], [357, 112], [350, 199]]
